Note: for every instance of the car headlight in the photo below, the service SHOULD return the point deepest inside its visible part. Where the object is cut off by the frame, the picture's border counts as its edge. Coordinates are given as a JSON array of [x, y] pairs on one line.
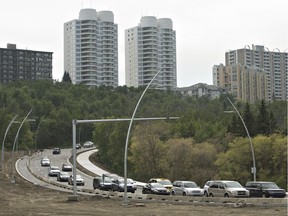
[[234, 192]]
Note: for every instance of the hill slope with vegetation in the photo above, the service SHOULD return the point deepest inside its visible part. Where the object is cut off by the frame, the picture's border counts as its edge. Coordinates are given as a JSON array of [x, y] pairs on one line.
[[206, 142]]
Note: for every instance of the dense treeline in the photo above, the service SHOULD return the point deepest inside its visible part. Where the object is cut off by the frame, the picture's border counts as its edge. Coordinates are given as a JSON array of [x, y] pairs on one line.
[[206, 142]]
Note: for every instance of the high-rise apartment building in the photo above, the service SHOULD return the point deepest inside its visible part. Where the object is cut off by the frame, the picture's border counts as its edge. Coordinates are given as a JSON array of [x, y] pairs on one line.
[[23, 64], [245, 83], [91, 48], [150, 47], [274, 63]]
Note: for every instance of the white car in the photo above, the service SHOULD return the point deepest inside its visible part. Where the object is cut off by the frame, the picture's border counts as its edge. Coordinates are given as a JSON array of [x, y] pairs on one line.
[[206, 186], [53, 171], [186, 188], [79, 180], [45, 162], [88, 144]]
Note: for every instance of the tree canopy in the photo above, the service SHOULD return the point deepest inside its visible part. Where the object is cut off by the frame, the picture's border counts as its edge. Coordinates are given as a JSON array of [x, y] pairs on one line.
[[201, 145]]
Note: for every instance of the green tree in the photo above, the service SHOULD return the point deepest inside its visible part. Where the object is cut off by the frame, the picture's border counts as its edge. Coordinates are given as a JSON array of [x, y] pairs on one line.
[[263, 122], [66, 77], [236, 163], [270, 155], [249, 121], [148, 150], [190, 161]]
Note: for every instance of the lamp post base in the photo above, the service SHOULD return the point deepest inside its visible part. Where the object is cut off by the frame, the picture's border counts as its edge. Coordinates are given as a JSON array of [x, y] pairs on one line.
[[73, 198], [13, 180]]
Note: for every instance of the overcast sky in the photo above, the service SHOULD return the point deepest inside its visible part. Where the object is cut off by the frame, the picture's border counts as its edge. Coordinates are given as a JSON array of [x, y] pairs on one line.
[[205, 29]]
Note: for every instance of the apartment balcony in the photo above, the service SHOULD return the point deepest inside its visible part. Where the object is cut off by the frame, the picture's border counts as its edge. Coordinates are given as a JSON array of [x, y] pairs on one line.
[[106, 76], [149, 61], [88, 41], [88, 70], [107, 32], [88, 33]]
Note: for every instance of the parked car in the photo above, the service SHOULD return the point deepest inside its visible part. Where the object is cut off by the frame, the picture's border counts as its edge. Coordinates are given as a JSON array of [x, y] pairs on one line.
[[227, 189], [264, 189], [63, 176], [165, 182], [186, 188], [88, 144], [98, 183], [53, 170], [78, 146], [56, 151], [45, 162], [66, 167], [155, 188], [118, 185], [79, 180], [206, 186]]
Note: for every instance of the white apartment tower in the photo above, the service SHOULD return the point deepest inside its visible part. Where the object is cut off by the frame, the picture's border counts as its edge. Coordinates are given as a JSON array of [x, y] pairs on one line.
[[150, 47], [91, 48]]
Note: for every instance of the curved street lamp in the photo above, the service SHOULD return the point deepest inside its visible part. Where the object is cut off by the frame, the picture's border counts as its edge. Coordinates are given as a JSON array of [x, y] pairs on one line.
[[16, 138], [253, 170], [8, 127], [127, 138], [37, 132]]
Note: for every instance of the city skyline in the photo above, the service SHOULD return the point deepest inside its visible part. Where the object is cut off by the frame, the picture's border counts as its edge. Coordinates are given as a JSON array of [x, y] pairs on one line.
[[205, 29]]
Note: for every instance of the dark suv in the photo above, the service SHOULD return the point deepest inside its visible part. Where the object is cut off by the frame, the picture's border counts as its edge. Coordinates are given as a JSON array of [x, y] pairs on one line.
[[56, 151], [99, 184], [264, 189]]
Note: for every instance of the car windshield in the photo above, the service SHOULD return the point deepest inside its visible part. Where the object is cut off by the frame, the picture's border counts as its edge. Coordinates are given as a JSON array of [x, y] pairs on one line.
[[269, 185], [165, 182], [107, 179], [64, 173], [233, 184], [129, 181], [190, 185], [54, 168], [156, 185]]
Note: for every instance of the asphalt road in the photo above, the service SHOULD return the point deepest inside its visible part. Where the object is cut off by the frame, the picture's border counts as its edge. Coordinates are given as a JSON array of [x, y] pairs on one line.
[[58, 160]]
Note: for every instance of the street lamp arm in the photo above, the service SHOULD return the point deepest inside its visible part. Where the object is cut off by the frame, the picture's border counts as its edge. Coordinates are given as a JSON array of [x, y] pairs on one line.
[[8, 127], [127, 137], [36, 132], [16, 137], [251, 145]]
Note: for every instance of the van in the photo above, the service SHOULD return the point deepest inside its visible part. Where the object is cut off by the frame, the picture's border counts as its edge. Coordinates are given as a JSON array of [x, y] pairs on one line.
[[227, 189]]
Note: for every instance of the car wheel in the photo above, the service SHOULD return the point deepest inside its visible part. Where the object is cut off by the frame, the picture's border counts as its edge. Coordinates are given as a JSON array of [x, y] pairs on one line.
[[184, 194], [226, 195], [211, 195], [173, 193], [264, 195]]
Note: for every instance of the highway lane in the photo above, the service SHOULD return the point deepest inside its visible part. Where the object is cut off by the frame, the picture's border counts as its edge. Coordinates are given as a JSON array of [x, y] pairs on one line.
[[21, 166], [22, 169], [57, 160]]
